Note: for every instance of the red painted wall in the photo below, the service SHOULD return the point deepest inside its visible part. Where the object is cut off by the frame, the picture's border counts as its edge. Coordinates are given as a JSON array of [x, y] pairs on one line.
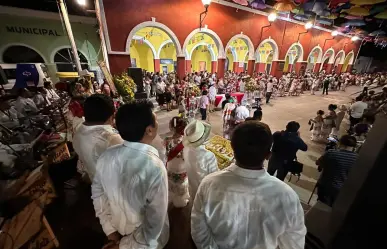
[[123, 15]]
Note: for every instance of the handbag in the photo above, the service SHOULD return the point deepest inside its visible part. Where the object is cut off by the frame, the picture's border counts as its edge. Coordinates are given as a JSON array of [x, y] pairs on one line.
[[295, 168]]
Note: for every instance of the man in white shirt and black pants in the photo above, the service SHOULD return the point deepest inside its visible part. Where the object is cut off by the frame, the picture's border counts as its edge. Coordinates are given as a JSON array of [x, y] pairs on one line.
[[269, 90], [130, 187], [357, 109], [243, 206]]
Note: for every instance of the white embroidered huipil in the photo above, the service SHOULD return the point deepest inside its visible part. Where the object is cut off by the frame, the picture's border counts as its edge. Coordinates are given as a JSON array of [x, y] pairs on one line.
[[90, 142], [246, 209], [130, 195], [199, 162]]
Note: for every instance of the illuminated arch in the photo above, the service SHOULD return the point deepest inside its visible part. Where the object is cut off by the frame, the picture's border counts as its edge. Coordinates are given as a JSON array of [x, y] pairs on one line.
[[319, 57], [300, 52], [154, 24], [213, 35], [212, 52], [162, 45], [341, 53], [248, 42], [273, 45]]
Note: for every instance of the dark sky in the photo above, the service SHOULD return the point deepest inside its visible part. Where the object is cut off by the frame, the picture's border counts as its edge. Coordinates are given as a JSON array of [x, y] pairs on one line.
[[368, 49]]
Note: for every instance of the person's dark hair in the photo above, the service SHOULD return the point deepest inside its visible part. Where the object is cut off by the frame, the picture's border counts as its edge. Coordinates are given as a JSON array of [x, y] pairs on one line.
[[292, 126], [348, 140], [332, 107], [250, 119], [251, 142], [227, 96], [133, 118], [205, 92], [47, 84], [98, 108], [320, 112], [257, 115]]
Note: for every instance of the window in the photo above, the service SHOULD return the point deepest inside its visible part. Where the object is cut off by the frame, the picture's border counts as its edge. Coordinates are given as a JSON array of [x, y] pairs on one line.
[[64, 61], [21, 54]]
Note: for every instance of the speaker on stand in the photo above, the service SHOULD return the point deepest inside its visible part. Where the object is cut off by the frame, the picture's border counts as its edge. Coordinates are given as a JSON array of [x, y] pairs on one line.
[[136, 74]]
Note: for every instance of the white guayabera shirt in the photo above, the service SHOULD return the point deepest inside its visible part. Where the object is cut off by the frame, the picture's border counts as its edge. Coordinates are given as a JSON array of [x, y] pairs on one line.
[[199, 162], [130, 195], [246, 209]]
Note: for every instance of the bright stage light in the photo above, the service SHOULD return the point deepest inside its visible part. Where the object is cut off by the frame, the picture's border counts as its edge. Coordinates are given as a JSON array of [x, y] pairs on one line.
[[81, 2], [355, 38], [308, 25], [334, 33], [272, 17], [206, 2]]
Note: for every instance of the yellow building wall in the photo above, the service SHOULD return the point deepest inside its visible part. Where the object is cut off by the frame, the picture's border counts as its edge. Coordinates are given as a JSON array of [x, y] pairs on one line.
[[154, 35], [168, 52], [143, 55], [201, 54], [200, 38], [241, 48], [230, 61], [264, 52]]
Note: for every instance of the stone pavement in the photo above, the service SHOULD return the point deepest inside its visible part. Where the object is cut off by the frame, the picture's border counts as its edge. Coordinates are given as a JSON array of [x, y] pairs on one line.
[[277, 114]]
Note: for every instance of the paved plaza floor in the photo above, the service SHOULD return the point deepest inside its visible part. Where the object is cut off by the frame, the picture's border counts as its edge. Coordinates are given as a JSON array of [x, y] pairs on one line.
[[277, 114]]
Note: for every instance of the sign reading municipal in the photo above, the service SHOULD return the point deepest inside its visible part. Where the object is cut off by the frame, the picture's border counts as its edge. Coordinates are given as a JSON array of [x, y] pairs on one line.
[[31, 31]]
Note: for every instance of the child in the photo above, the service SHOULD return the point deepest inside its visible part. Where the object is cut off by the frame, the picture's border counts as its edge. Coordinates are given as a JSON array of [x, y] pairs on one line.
[[168, 99], [203, 104]]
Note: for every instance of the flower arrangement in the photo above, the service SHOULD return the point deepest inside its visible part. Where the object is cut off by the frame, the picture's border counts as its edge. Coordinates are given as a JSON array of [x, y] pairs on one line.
[[125, 86], [195, 90], [251, 86]]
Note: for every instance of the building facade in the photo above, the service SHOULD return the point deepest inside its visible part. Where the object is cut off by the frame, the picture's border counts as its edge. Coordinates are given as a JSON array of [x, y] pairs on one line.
[[279, 47], [32, 36]]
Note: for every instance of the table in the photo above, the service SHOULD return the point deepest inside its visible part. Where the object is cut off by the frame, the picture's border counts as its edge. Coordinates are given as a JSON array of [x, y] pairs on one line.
[[219, 98]]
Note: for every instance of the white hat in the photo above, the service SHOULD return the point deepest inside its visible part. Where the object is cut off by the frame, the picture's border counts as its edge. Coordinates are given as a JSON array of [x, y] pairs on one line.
[[196, 133]]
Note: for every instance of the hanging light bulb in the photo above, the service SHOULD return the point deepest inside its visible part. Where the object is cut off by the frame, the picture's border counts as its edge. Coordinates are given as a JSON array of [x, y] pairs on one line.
[[81, 2], [334, 33]]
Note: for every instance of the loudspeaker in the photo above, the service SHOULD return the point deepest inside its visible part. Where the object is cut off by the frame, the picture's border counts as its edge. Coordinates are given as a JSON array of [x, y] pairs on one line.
[[136, 74], [3, 77]]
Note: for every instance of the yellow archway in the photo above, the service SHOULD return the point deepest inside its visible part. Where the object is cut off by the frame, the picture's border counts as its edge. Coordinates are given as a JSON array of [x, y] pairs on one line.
[[152, 43], [202, 51], [348, 60]]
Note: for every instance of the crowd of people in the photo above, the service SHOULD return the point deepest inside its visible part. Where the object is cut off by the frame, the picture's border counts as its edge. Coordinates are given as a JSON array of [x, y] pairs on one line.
[[135, 175]]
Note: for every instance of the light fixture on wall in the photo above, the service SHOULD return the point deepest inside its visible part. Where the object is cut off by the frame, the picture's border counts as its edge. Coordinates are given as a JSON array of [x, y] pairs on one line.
[[308, 25], [355, 38], [81, 2], [272, 17], [334, 33], [206, 4]]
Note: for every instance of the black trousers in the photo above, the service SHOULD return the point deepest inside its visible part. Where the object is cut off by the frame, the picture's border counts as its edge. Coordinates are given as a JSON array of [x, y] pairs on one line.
[[268, 96], [325, 89], [279, 166], [203, 111], [354, 121]]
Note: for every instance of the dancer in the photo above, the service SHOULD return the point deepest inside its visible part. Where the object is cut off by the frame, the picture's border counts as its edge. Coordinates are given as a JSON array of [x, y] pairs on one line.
[[177, 174], [317, 123]]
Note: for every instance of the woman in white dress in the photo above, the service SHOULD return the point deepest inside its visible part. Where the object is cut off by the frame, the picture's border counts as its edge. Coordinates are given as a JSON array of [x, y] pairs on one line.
[[177, 174], [329, 121], [229, 118], [317, 123]]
